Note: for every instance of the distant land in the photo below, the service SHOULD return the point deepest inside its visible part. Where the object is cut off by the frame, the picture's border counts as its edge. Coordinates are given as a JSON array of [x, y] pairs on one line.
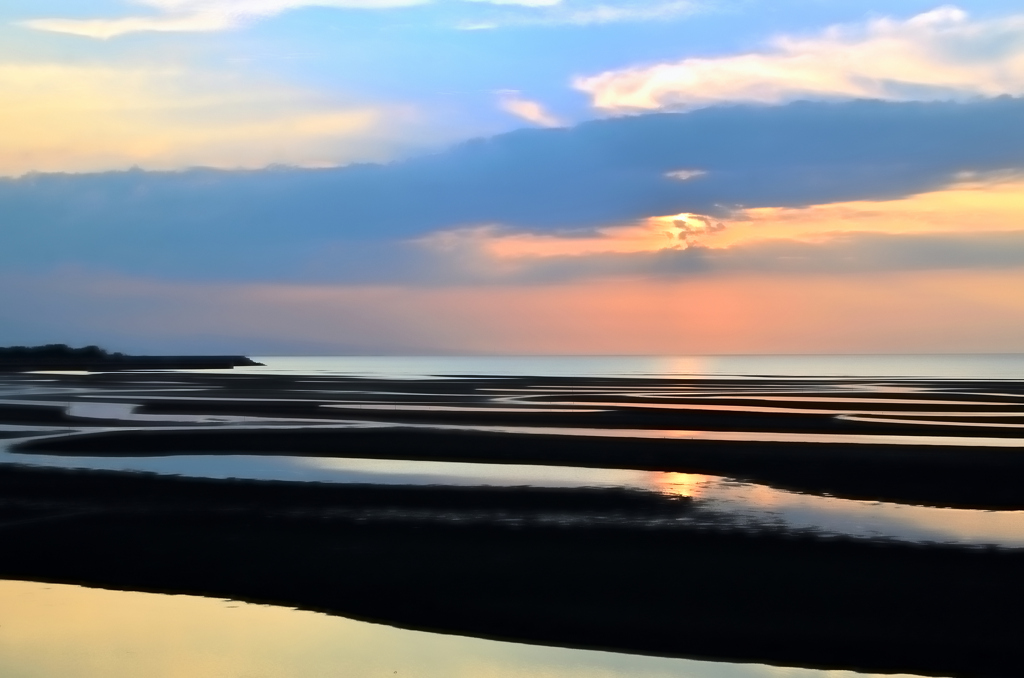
[[94, 358]]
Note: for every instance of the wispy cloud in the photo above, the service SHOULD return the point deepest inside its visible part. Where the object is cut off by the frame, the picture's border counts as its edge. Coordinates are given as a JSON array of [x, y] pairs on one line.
[[521, 3], [56, 117], [612, 13], [220, 15], [198, 15], [109, 28], [510, 101], [584, 13], [685, 174], [941, 54]]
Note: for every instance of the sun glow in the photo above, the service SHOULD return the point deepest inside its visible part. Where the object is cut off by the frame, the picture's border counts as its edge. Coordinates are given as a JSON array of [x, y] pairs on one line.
[[675, 231], [681, 484], [971, 205], [986, 204]]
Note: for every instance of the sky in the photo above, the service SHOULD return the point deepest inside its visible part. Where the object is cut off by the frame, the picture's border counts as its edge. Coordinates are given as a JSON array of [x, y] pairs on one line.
[[512, 176]]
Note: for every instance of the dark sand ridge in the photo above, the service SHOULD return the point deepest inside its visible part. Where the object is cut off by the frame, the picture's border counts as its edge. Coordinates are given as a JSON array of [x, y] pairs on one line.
[[953, 475], [883, 607]]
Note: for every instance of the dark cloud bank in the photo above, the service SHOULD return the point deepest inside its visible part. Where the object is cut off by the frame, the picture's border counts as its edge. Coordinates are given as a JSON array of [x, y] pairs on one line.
[[295, 224]]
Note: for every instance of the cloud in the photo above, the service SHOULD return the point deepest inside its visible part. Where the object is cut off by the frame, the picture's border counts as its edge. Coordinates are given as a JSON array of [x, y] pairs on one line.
[[531, 111], [502, 248], [531, 187], [56, 117], [853, 252], [986, 203], [575, 13], [973, 225], [521, 3], [110, 28], [941, 54], [199, 15], [609, 13], [220, 15], [685, 174], [482, 260]]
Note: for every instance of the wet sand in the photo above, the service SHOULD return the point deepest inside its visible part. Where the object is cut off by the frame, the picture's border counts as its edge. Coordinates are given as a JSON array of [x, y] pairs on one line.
[[580, 567], [932, 459]]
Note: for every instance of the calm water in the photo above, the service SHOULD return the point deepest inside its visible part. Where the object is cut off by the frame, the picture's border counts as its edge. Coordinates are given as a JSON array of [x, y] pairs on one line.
[[51, 630], [980, 366]]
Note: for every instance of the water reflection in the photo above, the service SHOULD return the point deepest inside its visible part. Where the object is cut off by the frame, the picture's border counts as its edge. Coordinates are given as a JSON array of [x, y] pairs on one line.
[[760, 506], [682, 484], [49, 630]]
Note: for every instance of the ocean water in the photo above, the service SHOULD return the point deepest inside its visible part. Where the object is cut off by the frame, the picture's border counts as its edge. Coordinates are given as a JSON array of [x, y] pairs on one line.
[[949, 366]]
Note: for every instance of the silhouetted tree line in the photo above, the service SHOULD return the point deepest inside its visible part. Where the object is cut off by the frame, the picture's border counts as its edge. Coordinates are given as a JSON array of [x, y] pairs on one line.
[[64, 357], [56, 352]]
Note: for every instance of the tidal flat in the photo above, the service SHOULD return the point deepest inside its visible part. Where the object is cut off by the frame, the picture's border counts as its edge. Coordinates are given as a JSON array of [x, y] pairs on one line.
[[868, 524]]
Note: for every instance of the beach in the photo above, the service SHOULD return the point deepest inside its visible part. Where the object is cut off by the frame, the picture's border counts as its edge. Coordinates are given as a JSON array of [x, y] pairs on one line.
[[670, 517]]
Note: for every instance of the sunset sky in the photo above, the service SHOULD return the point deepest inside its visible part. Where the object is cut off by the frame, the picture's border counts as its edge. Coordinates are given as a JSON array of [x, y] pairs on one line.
[[512, 176]]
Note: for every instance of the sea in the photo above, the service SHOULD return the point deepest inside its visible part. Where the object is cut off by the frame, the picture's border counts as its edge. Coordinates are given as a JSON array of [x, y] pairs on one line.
[[947, 366]]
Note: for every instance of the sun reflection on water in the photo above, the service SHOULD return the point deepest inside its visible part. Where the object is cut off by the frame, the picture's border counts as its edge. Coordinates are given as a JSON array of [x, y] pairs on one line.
[[681, 484]]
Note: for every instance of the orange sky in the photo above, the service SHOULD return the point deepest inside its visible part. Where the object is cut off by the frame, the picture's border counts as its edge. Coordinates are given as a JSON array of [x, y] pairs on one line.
[[945, 311], [994, 203], [826, 311]]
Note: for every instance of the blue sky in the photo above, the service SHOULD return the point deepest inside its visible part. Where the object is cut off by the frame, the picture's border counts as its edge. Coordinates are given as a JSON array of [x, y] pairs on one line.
[[417, 64], [425, 166]]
